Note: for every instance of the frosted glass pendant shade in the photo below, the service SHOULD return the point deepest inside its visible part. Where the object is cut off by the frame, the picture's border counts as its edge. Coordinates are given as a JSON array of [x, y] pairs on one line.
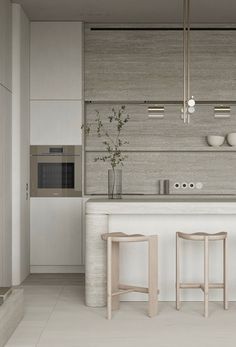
[[191, 102]]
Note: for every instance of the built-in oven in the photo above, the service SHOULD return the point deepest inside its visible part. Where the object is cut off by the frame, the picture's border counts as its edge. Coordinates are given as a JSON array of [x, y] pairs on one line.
[[55, 171]]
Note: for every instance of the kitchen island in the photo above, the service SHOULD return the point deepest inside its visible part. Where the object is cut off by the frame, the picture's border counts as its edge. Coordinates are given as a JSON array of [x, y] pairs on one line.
[[163, 216]]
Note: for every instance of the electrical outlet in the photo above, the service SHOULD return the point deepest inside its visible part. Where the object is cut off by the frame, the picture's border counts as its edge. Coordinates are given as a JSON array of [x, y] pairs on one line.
[[199, 185], [188, 185], [176, 185]]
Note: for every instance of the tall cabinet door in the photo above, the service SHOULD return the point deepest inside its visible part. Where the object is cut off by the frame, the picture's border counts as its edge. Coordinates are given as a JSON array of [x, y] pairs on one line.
[[213, 65], [56, 61], [20, 146], [5, 43], [5, 188], [5, 145]]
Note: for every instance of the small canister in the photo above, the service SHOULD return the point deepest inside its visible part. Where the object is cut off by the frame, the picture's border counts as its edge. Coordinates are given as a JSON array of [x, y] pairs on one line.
[[161, 187], [166, 187]]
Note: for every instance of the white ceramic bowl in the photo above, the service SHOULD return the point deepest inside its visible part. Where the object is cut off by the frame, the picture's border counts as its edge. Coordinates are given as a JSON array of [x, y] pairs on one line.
[[231, 139], [215, 140]]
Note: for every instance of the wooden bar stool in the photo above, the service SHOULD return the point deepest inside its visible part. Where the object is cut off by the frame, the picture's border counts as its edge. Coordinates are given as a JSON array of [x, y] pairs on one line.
[[206, 285], [114, 288]]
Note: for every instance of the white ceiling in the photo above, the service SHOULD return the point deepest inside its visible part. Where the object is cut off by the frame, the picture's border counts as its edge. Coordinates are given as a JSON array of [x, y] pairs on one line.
[[125, 11]]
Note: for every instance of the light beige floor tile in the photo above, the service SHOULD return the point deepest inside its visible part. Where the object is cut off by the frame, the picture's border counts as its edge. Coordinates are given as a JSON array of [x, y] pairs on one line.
[[25, 335], [57, 317], [55, 279], [169, 328]]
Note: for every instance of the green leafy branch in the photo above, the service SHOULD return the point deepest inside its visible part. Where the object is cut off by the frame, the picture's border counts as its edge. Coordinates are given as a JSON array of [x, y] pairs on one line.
[[113, 145]]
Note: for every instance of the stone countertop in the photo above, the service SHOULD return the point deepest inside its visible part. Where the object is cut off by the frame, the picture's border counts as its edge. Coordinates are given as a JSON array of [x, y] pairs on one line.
[[187, 204], [167, 198]]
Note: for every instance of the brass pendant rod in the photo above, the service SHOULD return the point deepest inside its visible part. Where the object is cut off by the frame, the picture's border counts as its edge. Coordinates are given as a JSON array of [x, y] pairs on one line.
[[184, 60], [188, 56]]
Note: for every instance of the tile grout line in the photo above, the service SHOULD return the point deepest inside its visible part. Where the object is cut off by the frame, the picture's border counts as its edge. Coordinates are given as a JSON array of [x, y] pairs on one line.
[[50, 315]]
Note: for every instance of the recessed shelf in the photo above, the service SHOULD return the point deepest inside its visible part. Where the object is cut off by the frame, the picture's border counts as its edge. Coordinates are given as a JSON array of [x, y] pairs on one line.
[[160, 102], [155, 149]]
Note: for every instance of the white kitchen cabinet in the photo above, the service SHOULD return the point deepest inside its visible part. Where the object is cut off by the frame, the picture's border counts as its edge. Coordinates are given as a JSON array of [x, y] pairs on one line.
[[5, 188], [5, 43], [56, 60], [20, 146], [56, 122], [56, 234]]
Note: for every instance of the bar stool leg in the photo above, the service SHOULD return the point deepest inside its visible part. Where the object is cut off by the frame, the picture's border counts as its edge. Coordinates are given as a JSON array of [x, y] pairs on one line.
[[115, 275], [177, 272], [206, 275], [109, 277], [225, 274], [152, 276]]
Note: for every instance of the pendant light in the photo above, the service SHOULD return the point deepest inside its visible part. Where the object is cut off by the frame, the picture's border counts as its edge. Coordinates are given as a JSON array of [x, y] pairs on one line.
[[188, 100]]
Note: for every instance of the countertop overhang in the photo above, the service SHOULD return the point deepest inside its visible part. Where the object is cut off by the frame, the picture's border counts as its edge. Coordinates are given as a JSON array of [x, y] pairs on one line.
[[191, 204]]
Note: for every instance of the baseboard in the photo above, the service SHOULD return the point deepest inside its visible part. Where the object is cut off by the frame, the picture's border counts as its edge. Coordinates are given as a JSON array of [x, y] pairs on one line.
[[11, 313], [34, 269]]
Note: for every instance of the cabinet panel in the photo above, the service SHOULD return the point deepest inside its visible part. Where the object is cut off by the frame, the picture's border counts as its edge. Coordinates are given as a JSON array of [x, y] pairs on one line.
[[56, 122], [5, 43], [133, 64], [56, 231], [148, 65], [213, 65], [20, 145], [5, 188], [56, 60]]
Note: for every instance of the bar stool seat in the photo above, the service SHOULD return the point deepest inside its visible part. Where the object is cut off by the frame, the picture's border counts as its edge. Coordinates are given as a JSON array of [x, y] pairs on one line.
[[201, 236], [114, 288], [205, 237], [122, 237]]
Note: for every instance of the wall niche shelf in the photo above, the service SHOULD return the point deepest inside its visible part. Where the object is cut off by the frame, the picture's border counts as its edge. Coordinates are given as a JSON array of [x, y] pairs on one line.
[[197, 149], [160, 102]]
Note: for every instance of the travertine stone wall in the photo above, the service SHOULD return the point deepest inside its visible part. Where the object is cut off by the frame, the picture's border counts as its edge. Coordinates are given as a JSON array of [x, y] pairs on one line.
[[132, 66]]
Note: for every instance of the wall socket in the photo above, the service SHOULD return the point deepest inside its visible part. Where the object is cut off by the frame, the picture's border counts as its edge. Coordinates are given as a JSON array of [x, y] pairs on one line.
[[188, 185]]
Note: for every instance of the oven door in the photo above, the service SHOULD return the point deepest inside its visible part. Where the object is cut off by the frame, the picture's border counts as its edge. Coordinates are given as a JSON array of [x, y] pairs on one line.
[[56, 175]]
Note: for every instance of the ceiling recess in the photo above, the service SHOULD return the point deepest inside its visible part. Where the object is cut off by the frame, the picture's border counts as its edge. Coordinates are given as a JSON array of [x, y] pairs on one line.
[[130, 11]]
